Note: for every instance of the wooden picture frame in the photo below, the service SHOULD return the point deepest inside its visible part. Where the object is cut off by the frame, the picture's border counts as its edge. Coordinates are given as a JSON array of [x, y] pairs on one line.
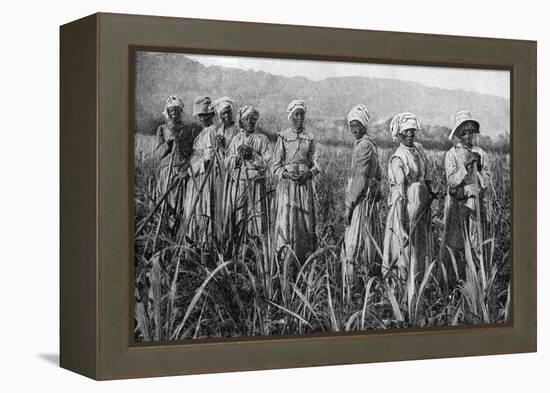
[[96, 316]]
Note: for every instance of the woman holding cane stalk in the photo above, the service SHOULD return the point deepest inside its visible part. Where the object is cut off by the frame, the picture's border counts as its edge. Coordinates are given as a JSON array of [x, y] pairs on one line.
[[174, 147], [200, 202], [295, 165], [468, 178], [408, 237], [248, 157]]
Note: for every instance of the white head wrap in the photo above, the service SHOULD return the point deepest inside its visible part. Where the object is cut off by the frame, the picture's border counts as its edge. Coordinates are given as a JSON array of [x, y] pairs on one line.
[[360, 113], [294, 106], [219, 104], [245, 111], [402, 122], [171, 102]]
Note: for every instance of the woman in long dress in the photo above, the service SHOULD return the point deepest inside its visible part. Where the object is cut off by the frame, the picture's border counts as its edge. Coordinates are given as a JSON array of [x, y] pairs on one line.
[[466, 190], [363, 236], [247, 162], [173, 149], [295, 165], [228, 128], [200, 201], [408, 239]]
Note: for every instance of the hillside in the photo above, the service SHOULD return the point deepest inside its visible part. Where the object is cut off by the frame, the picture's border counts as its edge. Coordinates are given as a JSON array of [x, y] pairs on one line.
[[161, 74]]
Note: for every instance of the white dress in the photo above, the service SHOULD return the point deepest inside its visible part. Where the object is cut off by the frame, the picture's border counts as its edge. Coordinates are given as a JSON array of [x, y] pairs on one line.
[[246, 205], [408, 239], [363, 237], [296, 216], [200, 204]]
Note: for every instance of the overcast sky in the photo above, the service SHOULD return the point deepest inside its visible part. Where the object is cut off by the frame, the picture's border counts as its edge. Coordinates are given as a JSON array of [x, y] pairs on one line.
[[482, 81]]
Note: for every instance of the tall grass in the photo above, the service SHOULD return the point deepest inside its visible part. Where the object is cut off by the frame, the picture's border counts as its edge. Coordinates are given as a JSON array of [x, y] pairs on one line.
[[243, 289]]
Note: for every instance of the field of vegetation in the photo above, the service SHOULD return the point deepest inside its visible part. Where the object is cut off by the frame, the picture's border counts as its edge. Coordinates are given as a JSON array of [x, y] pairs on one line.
[[180, 294]]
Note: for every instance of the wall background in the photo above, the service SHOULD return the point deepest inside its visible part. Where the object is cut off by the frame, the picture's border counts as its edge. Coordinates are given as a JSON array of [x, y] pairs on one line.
[[29, 215]]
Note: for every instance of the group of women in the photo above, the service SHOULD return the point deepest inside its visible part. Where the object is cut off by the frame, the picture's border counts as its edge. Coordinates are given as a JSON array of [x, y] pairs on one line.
[[226, 171]]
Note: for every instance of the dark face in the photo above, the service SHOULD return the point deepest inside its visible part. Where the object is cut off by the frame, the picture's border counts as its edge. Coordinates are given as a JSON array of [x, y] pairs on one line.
[[249, 123], [298, 118], [174, 113], [206, 119], [467, 138], [226, 116], [407, 137], [357, 129]]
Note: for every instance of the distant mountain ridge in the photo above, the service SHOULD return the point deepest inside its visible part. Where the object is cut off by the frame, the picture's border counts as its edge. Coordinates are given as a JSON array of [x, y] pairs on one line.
[[161, 74]]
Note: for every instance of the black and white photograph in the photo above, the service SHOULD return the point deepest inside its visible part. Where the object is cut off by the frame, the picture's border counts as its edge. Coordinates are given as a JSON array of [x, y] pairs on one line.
[[290, 197], [275, 197]]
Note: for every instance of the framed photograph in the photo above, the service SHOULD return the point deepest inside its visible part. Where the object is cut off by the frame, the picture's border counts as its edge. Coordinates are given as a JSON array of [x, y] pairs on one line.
[[242, 196]]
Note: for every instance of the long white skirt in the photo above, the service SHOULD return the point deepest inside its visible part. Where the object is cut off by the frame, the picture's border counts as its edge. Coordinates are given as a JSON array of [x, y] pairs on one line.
[[408, 250]]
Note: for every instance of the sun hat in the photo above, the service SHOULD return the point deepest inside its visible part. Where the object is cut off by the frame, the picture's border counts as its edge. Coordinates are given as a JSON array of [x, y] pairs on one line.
[[201, 106], [462, 117]]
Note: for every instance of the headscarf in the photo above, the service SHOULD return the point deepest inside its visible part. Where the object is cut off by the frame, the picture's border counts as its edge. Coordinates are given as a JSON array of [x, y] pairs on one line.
[[219, 104], [401, 122], [294, 106], [171, 102], [245, 111], [360, 113]]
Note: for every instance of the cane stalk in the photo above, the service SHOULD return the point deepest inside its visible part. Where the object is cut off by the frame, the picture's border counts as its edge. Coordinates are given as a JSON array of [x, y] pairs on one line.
[[146, 220], [163, 205], [479, 226], [191, 213]]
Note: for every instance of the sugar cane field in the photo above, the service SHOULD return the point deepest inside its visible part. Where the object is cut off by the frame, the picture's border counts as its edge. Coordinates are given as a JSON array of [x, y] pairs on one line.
[[181, 294]]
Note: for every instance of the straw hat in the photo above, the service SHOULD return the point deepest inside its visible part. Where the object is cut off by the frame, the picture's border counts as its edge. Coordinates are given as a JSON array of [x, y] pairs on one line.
[[462, 117], [201, 105]]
